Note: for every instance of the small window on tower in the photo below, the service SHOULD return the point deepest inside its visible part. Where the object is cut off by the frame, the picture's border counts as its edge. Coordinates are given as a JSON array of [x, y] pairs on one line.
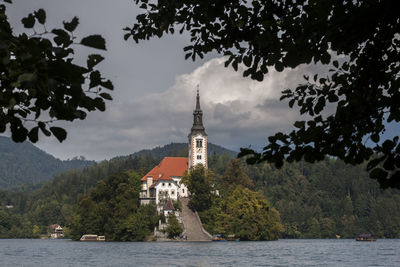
[[198, 156], [199, 143]]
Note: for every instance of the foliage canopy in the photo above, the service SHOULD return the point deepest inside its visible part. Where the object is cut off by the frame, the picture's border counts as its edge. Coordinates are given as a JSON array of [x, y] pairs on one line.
[[174, 228], [364, 85], [40, 83], [112, 209], [200, 182]]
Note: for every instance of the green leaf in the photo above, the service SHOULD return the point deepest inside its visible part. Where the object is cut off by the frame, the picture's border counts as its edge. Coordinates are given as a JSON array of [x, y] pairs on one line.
[[106, 96], [387, 146], [41, 16], [71, 26], [291, 103], [247, 72], [332, 97], [375, 138], [18, 132], [28, 21], [42, 127], [93, 60], [299, 124], [235, 64], [258, 76], [320, 105], [62, 37], [95, 41], [247, 61], [59, 133], [126, 36], [229, 61], [108, 84], [95, 79], [279, 66], [34, 134], [99, 104]]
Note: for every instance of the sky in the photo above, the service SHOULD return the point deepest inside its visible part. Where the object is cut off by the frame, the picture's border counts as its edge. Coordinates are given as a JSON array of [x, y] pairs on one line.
[[155, 88]]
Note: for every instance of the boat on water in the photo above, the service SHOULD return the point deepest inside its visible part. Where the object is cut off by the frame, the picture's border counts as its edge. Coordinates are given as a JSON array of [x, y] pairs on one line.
[[365, 237], [93, 238], [219, 237]]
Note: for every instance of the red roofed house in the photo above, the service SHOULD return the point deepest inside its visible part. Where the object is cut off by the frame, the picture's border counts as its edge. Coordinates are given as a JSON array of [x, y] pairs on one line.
[[164, 180]]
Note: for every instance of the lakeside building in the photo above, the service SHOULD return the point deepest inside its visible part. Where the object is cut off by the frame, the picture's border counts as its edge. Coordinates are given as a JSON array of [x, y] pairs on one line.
[[56, 231], [163, 182]]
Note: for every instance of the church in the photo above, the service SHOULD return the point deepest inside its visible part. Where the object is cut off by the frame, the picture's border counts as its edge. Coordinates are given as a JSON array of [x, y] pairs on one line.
[[163, 182]]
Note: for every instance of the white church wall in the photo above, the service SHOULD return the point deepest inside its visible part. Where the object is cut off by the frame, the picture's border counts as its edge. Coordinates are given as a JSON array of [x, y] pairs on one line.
[[170, 188], [182, 190], [198, 154]]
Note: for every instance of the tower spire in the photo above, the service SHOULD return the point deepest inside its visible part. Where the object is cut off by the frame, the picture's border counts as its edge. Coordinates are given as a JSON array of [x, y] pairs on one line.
[[197, 137], [198, 99], [198, 117]]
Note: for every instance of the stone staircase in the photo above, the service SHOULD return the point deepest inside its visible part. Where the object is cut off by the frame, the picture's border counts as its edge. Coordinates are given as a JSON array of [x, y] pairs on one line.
[[193, 228]]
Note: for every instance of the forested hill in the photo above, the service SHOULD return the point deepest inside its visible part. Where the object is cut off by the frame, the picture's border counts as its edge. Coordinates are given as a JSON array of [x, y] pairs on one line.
[[319, 200], [181, 150], [24, 163], [27, 164]]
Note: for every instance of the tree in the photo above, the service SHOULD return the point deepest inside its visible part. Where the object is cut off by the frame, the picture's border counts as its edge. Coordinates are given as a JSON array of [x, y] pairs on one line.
[[40, 84], [234, 176], [363, 86], [140, 225], [248, 215], [200, 183], [112, 209], [174, 228]]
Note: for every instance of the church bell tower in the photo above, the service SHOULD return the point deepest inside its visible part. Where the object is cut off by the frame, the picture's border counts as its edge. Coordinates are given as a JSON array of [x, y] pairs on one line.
[[197, 138]]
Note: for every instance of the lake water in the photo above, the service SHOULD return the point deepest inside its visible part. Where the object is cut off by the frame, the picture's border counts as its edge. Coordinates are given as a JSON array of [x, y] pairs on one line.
[[333, 252]]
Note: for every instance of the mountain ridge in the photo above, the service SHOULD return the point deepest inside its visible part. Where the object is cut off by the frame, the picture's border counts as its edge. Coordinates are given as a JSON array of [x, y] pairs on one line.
[[24, 163], [181, 150]]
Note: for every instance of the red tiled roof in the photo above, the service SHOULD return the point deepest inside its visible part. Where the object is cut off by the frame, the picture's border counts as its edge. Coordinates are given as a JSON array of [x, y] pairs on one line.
[[168, 167]]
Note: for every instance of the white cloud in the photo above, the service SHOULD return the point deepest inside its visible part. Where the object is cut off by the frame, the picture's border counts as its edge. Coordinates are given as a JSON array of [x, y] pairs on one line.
[[237, 112]]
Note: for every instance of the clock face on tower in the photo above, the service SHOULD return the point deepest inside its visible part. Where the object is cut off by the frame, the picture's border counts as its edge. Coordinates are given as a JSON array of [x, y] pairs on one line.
[[198, 150]]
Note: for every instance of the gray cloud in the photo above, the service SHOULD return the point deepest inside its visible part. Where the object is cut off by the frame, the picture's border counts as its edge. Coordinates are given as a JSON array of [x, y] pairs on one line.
[[155, 89], [237, 112]]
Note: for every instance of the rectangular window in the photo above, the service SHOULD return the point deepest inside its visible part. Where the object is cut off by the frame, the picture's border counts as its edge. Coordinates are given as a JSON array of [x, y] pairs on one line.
[[169, 184], [172, 192], [183, 191], [199, 143], [198, 156]]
